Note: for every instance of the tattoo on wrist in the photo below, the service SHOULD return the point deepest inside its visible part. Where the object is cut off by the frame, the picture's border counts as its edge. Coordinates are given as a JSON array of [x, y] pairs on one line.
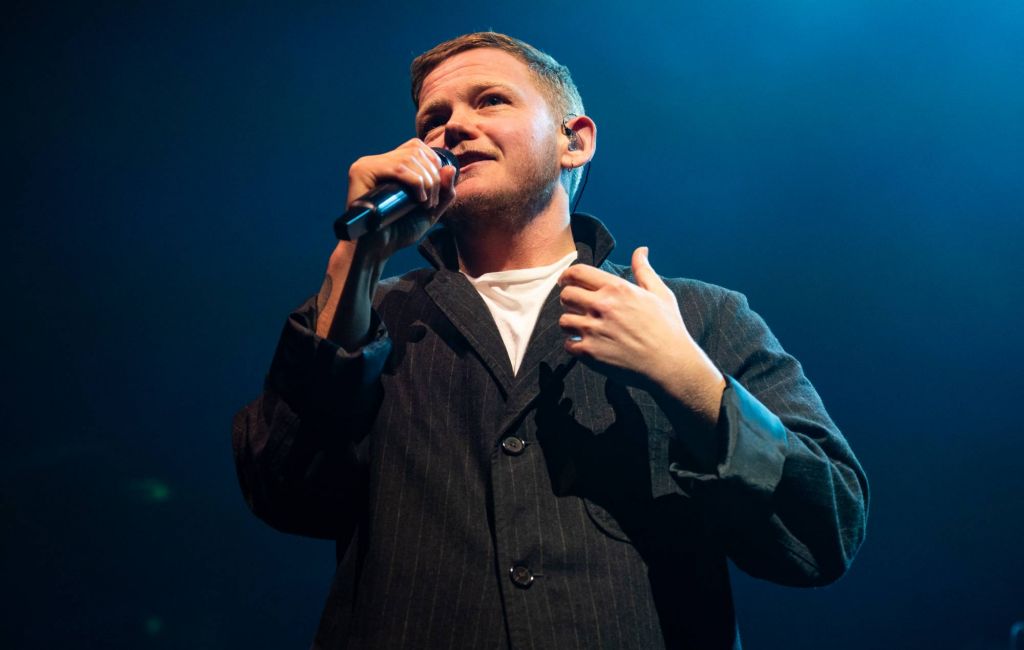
[[325, 293]]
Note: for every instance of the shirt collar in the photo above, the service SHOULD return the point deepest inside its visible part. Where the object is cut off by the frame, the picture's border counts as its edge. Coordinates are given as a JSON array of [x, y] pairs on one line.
[[593, 243]]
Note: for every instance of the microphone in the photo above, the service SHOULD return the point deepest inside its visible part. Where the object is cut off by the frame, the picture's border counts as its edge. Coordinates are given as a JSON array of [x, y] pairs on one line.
[[383, 205]]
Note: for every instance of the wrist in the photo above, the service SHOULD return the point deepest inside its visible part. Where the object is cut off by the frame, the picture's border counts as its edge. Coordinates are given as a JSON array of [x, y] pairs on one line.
[[695, 424], [368, 253], [693, 382]]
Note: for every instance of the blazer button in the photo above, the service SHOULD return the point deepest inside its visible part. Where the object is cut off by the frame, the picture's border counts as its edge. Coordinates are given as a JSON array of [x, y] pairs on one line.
[[521, 576], [513, 446]]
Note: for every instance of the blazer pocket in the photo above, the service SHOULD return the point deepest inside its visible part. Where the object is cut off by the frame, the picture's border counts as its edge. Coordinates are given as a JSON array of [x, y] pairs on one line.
[[605, 521]]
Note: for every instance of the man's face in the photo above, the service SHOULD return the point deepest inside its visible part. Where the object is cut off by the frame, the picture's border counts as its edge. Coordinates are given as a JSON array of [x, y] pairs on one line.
[[486, 107]]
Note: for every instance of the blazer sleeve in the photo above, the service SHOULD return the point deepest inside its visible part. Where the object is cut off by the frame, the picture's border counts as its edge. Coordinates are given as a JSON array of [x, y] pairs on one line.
[[788, 500], [300, 447]]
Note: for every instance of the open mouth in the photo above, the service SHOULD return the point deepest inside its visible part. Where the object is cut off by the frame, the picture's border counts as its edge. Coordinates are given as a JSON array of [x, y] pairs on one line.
[[467, 158]]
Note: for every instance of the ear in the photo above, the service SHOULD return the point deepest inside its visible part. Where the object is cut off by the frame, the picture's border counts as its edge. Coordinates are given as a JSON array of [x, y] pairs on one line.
[[579, 141]]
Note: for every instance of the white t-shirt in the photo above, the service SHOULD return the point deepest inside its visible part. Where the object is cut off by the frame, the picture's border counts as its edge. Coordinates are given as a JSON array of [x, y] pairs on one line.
[[514, 299]]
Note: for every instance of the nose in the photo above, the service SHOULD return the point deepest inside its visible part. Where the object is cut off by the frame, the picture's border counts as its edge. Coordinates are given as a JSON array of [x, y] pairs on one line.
[[459, 128]]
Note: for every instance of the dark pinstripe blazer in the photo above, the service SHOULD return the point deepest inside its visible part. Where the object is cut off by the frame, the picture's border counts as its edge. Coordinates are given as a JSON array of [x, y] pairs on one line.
[[552, 509]]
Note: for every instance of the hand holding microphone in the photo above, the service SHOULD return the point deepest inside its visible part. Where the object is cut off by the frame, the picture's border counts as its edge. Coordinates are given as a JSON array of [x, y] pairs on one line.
[[383, 189], [393, 199]]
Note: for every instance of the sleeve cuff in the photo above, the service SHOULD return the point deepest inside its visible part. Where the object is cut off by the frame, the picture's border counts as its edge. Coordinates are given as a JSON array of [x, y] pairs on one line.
[[318, 377], [754, 448]]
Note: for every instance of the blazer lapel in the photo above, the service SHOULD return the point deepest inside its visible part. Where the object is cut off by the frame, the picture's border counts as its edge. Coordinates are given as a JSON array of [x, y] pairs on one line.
[[546, 361], [463, 306]]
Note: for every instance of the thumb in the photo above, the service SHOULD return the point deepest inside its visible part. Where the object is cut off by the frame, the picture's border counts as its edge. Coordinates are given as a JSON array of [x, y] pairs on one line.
[[644, 273], [448, 176]]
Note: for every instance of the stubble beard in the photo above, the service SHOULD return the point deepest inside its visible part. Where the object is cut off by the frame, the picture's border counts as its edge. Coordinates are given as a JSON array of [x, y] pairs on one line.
[[507, 210]]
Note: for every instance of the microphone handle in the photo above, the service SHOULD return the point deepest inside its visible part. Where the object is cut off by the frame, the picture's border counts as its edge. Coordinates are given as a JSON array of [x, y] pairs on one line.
[[378, 208]]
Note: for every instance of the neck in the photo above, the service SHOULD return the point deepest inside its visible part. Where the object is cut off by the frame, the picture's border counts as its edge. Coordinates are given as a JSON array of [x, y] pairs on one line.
[[544, 239]]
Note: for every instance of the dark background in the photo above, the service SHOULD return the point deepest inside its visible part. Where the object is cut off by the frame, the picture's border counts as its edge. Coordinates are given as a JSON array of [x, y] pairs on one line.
[[171, 173]]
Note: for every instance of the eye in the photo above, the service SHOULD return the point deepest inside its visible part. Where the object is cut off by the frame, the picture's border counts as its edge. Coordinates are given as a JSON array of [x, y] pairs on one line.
[[493, 99], [429, 125]]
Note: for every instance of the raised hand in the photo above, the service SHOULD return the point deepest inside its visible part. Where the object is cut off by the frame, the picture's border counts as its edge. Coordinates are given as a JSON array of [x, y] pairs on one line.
[[635, 334], [355, 266], [418, 168]]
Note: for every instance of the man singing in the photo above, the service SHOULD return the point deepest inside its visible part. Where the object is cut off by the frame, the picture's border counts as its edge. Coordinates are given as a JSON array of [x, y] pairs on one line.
[[525, 445]]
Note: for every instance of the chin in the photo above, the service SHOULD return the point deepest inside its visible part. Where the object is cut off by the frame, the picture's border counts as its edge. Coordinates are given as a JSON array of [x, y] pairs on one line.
[[508, 211]]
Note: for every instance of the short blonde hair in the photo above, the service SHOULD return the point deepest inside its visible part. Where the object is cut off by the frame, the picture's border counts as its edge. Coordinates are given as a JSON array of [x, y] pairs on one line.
[[554, 79]]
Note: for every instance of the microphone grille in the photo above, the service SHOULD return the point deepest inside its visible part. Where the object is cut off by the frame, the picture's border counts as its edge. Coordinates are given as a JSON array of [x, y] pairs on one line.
[[448, 158]]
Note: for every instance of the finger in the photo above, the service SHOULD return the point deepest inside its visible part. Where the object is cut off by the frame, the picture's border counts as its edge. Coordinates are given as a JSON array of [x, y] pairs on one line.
[[432, 163], [411, 176], [646, 276], [586, 277], [576, 300], [398, 165], [364, 174], [411, 143], [576, 324], [426, 173], [576, 344], [446, 190], [425, 163]]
